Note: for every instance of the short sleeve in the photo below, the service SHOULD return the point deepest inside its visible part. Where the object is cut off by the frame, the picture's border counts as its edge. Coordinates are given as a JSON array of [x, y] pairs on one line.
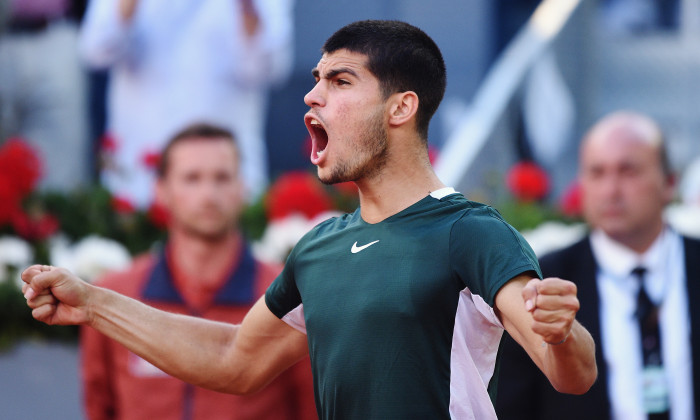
[[486, 252], [283, 295]]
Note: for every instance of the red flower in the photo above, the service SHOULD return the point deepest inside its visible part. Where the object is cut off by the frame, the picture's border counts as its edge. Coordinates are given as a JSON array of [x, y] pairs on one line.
[[150, 159], [296, 192], [9, 200], [159, 215], [570, 203], [35, 227], [108, 143], [20, 163], [122, 205], [527, 181], [20, 169], [432, 155]]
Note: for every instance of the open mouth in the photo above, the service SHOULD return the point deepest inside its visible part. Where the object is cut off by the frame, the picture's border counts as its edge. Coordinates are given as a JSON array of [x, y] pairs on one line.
[[319, 139]]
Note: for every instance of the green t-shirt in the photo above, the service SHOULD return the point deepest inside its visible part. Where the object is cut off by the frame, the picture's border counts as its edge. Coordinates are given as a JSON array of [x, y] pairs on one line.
[[399, 313]]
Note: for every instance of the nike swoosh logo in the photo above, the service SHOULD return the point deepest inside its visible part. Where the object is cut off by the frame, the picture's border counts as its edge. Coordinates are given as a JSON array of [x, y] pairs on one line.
[[355, 249]]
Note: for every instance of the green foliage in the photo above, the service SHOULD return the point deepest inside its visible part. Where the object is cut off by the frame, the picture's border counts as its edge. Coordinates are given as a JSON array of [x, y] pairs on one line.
[[90, 211], [83, 212], [526, 215], [253, 220]]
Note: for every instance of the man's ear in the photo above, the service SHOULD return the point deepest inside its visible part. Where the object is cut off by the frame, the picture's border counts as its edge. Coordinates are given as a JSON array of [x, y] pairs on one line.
[[403, 107], [670, 188]]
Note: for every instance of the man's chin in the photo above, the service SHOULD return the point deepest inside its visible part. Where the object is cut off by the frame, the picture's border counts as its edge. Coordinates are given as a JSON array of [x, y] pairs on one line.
[[334, 177], [324, 176], [616, 231], [209, 234], [328, 180]]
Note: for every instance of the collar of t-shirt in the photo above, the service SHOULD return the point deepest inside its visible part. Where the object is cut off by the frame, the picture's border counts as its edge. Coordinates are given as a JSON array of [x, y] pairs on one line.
[[442, 192], [195, 295]]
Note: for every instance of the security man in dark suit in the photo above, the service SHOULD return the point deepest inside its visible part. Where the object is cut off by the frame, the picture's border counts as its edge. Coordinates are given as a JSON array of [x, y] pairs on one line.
[[638, 283]]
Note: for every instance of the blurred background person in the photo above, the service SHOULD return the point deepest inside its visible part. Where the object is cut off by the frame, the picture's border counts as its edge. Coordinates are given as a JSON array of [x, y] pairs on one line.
[[206, 269], [185, 60], [637, 279], [43, 87]]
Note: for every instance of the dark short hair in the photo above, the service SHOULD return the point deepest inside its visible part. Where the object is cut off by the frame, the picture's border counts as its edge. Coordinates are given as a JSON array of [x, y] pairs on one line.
[[402, 57], [198, 130]]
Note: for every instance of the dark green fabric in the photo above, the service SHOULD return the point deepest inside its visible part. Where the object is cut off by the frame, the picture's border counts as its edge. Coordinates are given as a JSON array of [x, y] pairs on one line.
[[380, 321]]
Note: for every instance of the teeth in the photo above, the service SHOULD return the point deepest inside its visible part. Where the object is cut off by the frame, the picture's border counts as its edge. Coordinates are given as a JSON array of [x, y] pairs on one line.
[[320, 152], [314, 122]]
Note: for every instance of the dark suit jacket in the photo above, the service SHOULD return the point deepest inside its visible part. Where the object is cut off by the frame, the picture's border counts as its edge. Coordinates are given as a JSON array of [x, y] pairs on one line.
[[525, 393]]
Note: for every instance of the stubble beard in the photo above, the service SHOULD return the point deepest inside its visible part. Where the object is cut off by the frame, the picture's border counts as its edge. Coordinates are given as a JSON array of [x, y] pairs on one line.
[[371, 157]]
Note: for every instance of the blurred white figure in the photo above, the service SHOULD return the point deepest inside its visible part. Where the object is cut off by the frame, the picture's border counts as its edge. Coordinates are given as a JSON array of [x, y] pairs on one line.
[[43, 88], [174, 62]]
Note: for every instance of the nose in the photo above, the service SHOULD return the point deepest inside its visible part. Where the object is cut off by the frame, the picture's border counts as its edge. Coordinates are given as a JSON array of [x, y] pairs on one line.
[[610, 186], [207, 191], [315, 97]]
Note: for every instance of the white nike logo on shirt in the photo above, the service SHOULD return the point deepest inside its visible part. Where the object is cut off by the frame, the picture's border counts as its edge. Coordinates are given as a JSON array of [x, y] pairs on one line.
[[355, 249]]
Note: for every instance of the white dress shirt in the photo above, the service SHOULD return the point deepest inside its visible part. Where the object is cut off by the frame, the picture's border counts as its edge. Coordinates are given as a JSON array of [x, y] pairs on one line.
[[180, 61], [665, 283]]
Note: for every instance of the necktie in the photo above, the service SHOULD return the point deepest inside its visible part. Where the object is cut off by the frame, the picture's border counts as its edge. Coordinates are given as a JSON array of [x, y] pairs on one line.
[[655, 388]]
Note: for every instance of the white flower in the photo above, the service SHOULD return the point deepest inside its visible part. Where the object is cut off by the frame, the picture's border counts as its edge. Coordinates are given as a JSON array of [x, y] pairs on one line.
[[280, 236], [90, 257], [15, 254], [685, 219], [689, 186], [550, 236]]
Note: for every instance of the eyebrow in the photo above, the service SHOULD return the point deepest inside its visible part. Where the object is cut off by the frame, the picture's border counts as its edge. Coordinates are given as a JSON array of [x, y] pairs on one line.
[[332, 73]]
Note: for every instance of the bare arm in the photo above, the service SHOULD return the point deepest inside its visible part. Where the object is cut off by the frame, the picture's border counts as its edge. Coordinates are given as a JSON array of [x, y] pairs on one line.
[[237, 359], [540, 316], [105, 33]]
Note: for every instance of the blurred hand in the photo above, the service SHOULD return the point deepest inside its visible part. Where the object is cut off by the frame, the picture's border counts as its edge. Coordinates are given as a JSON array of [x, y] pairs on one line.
[[553, 304], [127, 8], [251, 20], [56, 296]]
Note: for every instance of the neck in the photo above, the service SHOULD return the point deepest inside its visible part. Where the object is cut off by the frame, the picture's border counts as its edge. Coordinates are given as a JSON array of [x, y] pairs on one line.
[[400, 184], [203, 263], [640, 241]]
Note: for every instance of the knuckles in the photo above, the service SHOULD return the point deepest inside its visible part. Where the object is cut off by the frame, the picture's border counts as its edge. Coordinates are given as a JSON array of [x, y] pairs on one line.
[[557, 286]]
